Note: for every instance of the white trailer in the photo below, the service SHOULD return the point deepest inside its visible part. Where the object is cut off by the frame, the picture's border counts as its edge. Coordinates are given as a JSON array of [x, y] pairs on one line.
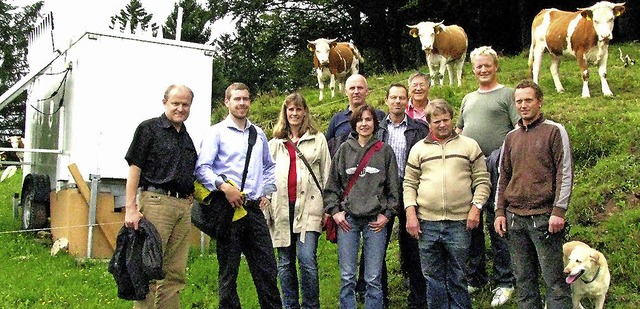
[[84, 103]]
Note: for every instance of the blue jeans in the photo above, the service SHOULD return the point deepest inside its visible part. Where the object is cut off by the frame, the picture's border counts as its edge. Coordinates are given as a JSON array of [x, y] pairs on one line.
[[288, 273], [502, 272], [373, 250], [531, 248], [444, 249]]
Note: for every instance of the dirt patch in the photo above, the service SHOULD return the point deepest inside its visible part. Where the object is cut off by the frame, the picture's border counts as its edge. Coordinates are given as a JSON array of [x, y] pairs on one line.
[[610, 208]]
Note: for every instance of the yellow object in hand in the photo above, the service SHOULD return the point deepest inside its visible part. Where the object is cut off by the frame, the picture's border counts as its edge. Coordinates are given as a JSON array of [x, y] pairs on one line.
[[239, 211]]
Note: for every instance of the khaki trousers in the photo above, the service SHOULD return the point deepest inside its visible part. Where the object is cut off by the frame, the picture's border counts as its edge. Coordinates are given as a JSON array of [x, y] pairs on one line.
[[172, 218]]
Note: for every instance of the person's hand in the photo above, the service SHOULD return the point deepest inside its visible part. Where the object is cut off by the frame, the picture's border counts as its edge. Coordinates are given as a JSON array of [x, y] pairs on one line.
[[379, 224], [233, 195], [264, 203], [556, 224], [132, 217], [500, 225], [473, 218], [341, 220], [413, 226]]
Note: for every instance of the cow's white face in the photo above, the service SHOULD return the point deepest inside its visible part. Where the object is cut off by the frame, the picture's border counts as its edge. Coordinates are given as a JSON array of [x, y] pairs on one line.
[[322, 51], [603, 15], [427, 34]]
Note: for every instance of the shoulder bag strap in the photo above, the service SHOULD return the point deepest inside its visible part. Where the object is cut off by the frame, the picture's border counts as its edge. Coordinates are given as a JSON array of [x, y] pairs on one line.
[[252, 141], [377, 146], [306, 163]]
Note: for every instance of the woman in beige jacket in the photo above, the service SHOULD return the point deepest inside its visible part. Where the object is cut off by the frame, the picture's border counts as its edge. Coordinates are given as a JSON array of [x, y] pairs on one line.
[[296, 211]]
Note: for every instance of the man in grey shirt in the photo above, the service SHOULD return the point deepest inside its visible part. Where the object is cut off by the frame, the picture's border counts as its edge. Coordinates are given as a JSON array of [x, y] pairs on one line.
[[487, 115]]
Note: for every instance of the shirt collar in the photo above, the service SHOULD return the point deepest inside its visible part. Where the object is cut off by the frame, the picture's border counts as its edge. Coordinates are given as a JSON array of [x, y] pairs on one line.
[[388, 120], [166, 124], [228, 122]]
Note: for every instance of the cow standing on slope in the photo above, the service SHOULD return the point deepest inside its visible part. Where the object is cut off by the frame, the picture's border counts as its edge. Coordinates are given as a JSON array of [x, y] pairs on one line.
[[445, 48], [334, 60], [584, 34]]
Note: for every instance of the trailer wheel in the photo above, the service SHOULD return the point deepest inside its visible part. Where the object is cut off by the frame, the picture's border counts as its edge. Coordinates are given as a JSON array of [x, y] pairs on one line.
[[35, 201]]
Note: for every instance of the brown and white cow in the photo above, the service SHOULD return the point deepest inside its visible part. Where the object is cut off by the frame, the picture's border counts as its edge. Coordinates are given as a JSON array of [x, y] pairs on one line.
[[445, 48], [334, 60], [584, 34]]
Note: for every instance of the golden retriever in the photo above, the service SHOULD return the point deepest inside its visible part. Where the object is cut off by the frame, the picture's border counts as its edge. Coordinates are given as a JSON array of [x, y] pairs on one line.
[[587, 272]]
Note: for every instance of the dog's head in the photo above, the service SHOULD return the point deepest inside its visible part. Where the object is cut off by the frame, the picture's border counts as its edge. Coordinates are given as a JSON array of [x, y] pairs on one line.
[[581, 260]]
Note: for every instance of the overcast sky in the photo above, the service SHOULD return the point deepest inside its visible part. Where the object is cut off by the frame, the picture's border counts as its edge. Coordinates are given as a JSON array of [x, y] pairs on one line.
[[103, 9]]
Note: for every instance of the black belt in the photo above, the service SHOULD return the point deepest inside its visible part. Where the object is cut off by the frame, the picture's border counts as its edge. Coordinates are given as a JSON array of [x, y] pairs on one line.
[[162, 191], [252, 204]]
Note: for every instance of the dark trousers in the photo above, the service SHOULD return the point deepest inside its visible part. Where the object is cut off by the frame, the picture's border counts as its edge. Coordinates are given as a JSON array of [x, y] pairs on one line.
[[477, 271], [250, 236], [410, 266]]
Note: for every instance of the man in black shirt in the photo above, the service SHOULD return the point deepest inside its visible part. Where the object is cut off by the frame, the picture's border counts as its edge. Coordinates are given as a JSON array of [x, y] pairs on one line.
[[161, 161]]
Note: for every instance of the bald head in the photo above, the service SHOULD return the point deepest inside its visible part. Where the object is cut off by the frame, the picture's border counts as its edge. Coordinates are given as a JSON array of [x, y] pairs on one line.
[[357, 90]]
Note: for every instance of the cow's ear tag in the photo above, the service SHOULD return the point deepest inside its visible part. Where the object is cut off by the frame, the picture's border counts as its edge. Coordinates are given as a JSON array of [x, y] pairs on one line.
[[413, 34], [588, 18]]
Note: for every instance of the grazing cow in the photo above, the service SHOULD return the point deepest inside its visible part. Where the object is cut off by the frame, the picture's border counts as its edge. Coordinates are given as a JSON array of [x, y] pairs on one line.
[[584, 34], [445, 48], [334, 60], [16, 142]]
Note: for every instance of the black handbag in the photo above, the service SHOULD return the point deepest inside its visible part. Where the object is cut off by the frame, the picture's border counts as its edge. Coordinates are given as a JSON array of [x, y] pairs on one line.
[[215, 217]]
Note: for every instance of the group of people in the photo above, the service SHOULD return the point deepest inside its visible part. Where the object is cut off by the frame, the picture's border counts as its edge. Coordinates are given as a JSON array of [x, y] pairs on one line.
[[414, 163]]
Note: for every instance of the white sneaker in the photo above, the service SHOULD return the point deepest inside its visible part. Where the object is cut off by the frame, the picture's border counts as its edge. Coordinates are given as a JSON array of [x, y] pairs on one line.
[[501, 296], [472, 289]]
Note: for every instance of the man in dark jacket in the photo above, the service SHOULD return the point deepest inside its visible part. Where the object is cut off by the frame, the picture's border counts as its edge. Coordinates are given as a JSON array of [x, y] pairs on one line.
[[401, 133], [534, 189]]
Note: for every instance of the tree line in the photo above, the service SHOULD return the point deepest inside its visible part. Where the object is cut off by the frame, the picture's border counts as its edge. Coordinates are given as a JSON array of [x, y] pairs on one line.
[[268, 50]]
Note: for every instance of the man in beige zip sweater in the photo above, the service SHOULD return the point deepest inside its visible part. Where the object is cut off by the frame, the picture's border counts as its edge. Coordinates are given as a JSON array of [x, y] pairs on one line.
[[446, 183]]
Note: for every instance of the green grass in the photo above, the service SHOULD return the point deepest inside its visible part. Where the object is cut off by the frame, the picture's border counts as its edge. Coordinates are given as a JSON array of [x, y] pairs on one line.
[[604, 209]]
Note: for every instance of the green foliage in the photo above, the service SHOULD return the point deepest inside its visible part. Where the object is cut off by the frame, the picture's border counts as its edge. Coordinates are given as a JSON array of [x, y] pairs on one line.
[[15, 26], [194, 19], [132, 16]]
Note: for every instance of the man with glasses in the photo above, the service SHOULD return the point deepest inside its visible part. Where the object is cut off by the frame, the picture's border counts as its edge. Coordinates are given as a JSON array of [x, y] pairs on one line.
[[534, 188], [419, 84]]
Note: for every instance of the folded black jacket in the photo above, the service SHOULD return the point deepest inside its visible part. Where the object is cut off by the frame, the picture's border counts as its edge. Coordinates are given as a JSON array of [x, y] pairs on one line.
[[137, 260]]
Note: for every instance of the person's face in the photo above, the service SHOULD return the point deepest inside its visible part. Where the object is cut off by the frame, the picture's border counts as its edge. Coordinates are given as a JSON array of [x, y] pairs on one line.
[[485, 70], [527, 104], [295, 114], [356, 90], [365, 125], [397, 101], [441, 125], [238, 103], [419, 88], [177, 105]]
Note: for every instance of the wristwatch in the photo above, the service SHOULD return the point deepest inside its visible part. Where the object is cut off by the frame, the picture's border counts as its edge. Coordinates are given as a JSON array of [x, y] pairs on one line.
[[477, 205]]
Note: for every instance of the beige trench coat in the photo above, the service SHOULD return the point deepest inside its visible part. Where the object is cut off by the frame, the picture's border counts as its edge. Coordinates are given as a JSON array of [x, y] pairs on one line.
[[309, 209]]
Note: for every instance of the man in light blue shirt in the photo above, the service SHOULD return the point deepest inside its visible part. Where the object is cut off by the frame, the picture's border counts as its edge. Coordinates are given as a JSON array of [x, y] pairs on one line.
[[222, 157]]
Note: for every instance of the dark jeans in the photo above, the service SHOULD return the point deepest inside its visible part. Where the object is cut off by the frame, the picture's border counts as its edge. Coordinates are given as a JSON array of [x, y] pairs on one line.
[[533, 252], [410, 265], [477, 272], [250, 236]]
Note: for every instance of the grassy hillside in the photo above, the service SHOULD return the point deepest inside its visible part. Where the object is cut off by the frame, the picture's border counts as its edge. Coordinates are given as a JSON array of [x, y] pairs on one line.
[[604, 209]]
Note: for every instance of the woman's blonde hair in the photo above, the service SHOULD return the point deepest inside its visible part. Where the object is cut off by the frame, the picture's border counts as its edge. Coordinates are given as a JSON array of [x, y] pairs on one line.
[[282, 129]]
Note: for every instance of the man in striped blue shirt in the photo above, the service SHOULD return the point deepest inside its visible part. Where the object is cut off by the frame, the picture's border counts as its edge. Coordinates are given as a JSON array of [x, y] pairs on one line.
[[401, 133]]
